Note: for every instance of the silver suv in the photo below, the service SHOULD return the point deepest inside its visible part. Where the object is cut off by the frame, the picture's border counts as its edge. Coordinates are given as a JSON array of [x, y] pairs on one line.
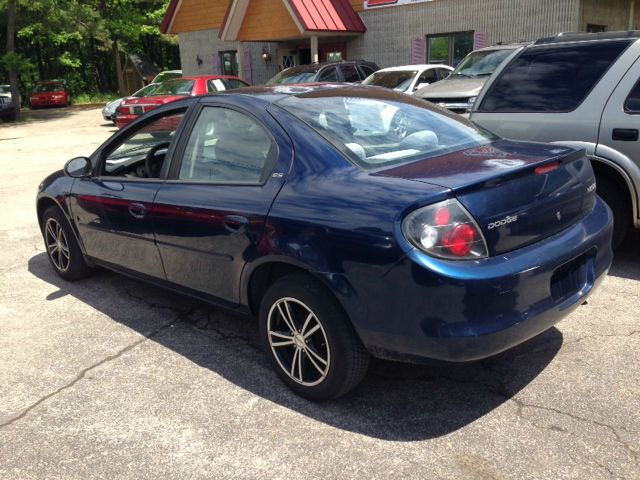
[[582, 90], [459, 90]]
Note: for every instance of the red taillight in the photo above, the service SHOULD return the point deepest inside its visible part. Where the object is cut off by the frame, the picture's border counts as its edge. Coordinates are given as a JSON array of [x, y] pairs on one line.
[[460, 240], [548, 168], [445, 230]]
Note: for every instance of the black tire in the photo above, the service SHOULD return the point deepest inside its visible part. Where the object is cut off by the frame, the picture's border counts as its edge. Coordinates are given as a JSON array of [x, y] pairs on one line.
[[610, 192], [335, 340], [69, 264]]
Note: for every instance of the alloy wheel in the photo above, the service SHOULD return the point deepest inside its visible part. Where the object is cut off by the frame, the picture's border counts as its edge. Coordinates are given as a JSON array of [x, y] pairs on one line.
[[298, 341], [57, 245]]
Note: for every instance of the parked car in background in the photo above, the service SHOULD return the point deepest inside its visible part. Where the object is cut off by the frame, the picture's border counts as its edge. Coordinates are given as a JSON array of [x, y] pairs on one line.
[[167, 75], [582, 90], [448, 244], [8, 109], [459, 91], [408, 78], [50, 94], [109, 111], [352, 71], [172, 90]]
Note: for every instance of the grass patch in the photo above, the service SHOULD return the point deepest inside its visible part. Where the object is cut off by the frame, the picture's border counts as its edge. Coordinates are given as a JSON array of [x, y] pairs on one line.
[[88, 98]]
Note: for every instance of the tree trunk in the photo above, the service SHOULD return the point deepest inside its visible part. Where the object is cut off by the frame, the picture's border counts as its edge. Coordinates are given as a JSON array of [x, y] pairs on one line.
[[116, 57], [11, 47]]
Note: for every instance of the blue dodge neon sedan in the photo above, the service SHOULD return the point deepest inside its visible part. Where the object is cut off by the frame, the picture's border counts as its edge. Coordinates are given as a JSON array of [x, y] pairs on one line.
[[350, 220]]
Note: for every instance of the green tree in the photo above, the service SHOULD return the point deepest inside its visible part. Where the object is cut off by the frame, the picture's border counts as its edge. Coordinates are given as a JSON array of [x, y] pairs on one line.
[[83, 41]]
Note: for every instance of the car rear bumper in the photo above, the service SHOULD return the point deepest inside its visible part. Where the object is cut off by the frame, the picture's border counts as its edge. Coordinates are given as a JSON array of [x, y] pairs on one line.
[[462, 311], [49, 102], [125, 119]]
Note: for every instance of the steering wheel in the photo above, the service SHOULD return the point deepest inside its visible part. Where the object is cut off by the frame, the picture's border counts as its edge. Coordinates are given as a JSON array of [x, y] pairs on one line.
[[152, 167]]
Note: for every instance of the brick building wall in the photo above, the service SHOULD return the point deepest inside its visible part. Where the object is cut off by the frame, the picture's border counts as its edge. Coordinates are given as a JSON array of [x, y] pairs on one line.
[[390, 30], [206, 45]]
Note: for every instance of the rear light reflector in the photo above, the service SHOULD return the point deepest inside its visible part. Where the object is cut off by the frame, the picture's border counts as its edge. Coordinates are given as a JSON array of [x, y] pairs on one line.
[[445, 230], [548, 168]]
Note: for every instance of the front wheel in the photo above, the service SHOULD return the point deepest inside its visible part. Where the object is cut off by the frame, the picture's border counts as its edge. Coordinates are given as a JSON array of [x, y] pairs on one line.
[[309, 340], [62, 248]]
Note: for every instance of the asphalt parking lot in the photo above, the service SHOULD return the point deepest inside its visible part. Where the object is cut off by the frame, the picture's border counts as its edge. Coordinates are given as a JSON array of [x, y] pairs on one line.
[[111, 378]]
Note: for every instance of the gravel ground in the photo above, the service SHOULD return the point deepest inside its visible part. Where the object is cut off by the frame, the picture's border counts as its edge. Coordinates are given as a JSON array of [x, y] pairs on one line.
[[112, 378]]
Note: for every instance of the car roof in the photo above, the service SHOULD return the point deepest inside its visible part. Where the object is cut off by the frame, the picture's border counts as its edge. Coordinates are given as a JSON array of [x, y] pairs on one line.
[[314, 67], [273, 93], [206, 77], [585, 36], [424, 66], [506, 46]]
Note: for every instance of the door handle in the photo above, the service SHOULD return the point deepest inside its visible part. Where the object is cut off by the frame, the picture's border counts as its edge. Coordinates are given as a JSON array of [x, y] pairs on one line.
[[235, 223], [137, 210], [625, 134]]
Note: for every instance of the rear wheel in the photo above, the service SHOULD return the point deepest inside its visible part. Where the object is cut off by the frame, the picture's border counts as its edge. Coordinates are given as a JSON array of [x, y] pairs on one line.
[[610, 192], [62, 248], [309, 340]]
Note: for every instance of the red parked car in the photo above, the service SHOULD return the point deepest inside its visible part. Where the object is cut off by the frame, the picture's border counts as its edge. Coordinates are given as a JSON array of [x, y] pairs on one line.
[[172, 90], [50, 94]]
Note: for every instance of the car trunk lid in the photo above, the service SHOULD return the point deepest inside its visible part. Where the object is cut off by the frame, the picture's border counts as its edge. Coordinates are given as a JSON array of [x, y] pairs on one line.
[[140, 105], [518, 193]]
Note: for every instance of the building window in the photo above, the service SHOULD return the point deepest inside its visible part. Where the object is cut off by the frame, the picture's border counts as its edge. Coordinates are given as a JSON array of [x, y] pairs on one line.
[[449, 48], [334, 57], [229, 62], [593, 28], [288, 61]]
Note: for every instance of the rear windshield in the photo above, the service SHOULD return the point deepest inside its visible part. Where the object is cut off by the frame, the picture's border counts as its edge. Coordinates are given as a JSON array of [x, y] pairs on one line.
[[382, 132], [552, 78], [398, 80], [293, 75], [175, 87], [49, 87]]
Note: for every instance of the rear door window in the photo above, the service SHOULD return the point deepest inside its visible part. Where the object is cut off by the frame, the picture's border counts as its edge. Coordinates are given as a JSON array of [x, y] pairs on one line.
[[632, 103], [226, 146], [365, 70], [554, 78], [350, 73], [328, 75]]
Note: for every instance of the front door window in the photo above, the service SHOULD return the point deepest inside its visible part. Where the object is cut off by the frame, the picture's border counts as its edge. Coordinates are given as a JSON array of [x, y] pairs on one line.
[[141, 155]]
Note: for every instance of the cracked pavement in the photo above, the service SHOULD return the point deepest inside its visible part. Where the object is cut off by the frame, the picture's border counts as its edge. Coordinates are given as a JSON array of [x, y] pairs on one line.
[[112, 378]]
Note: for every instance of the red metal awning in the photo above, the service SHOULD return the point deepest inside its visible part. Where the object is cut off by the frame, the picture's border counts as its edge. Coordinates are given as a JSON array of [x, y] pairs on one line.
[[327, 16]]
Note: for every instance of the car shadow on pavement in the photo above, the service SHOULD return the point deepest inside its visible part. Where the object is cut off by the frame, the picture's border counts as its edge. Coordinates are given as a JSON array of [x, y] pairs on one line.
[[396, 401], [626, 262]]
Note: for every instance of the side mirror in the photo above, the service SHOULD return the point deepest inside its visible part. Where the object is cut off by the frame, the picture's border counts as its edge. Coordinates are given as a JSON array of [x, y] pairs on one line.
[[421, 85], [79, 167]]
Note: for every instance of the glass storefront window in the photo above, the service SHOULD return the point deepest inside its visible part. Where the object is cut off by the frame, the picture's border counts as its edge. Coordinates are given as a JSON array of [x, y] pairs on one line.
[[439, 49], [449, 48]]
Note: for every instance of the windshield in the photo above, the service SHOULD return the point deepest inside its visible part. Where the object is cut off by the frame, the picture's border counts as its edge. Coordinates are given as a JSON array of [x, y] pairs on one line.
[[145, 91], [481, 63], [382, 132], [5, 89], [164, 76], [397, 80], [175, 87], [293, 75], [49, 87]]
